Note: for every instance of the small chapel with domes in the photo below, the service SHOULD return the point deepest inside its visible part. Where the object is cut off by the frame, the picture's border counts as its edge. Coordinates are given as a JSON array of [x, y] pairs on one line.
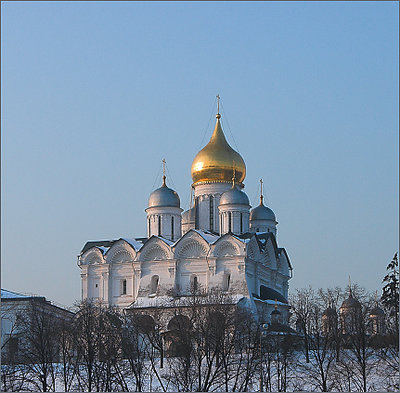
[[219, 243]]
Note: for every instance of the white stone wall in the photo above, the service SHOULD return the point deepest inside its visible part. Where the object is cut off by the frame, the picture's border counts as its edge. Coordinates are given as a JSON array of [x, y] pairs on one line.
[[225, 262]]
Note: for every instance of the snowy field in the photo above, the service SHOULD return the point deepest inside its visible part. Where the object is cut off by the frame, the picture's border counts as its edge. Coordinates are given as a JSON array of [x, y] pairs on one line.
[[292, 374]]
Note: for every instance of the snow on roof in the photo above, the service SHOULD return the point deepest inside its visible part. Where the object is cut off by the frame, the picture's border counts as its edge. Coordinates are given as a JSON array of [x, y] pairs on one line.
[[208, 237], [267, 301], [169, 242], [169, 301], [13, 295], [103, 249], [134, 243], [240, 239]]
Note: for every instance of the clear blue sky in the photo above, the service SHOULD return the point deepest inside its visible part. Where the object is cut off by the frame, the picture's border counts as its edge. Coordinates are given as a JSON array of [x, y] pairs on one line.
[[95, 94]]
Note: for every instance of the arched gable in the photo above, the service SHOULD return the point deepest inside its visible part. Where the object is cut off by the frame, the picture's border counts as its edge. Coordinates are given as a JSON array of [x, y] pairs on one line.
[[270, 251], [155, 249], [252, 249], [227, 245], [121, 251], [93, 256], [283, 266], [191, 245]]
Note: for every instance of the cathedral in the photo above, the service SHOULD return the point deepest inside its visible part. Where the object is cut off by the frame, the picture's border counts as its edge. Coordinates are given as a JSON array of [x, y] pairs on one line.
[[220, 243]]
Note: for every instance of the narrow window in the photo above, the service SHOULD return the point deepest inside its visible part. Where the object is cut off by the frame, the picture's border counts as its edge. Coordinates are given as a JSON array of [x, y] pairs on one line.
[[196, 210], [149, 227], [154, 285], [172, 228], [226, 282], [195, 283], [123, 292], [230, 221], [241, 222], [211, 213], [159, 225]]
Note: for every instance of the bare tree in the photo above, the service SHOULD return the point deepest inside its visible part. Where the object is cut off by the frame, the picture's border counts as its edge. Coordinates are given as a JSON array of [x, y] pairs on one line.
[[357, 350], [302, 303], [14, 377], [87, 343], [39, 329], [322, 350], [67, 348]]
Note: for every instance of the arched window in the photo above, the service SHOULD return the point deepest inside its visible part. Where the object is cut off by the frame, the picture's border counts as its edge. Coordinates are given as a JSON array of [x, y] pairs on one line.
[[159, 225], [154, 285], [172, 228], [195, 283], [211, 213], [123, 287], [230, 221]]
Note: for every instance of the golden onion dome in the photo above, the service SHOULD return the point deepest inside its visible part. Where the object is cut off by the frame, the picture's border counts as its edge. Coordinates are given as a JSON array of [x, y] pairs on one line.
[[216, 162]]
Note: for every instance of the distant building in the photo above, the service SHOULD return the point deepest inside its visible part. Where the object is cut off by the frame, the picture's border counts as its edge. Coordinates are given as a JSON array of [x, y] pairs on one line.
[[219, 243], [13, 307]]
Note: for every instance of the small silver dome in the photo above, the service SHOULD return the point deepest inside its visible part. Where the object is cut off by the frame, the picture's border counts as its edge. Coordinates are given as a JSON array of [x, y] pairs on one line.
[[234, 197], [164, 197], [350, 302], [329, 312], [262, 212], [376, 311]]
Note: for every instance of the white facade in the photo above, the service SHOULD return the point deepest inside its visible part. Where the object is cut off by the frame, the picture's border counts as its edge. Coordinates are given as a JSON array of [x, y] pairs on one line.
[[214, 245]]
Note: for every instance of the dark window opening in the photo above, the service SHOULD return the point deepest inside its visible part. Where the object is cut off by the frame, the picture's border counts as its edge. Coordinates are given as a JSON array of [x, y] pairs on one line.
[[241, 222], [124, 287], [159, 225], [172, 228], [211, 213], [196, 210], [230, 221], [154, 285]]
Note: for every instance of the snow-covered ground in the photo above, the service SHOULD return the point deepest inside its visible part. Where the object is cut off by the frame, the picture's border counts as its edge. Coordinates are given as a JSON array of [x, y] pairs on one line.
[[299, 376]]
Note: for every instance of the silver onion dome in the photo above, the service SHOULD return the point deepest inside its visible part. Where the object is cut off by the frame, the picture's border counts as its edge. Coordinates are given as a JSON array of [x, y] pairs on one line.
[[329, 312], [234, 197], [262, 212], [376, 311], [164, 197], [350, 302]]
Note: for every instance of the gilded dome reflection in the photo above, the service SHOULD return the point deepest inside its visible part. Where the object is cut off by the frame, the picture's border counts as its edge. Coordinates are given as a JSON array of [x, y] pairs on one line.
[[217, 160]]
